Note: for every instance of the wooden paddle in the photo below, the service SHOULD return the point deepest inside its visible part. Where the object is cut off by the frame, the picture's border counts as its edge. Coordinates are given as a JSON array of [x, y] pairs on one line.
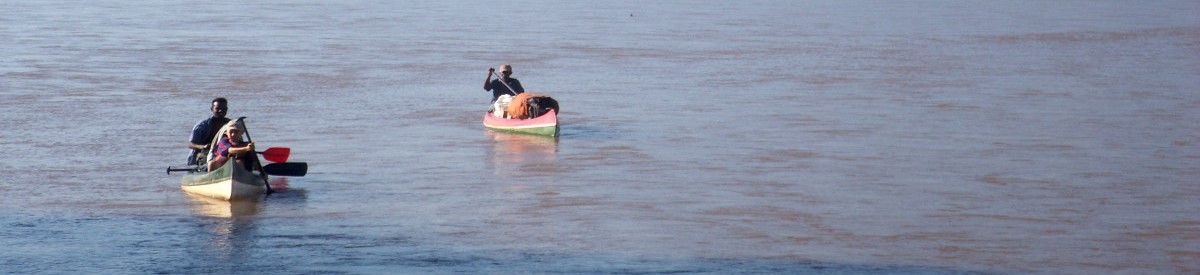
[[242, 120], [276, 154], [501, 79]]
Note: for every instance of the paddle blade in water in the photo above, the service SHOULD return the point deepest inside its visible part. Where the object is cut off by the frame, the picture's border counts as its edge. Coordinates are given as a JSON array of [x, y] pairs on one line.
[[287, 169]]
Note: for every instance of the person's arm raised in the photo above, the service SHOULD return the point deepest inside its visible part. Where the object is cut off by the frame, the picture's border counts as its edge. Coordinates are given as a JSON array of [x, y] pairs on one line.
[[487, 83]]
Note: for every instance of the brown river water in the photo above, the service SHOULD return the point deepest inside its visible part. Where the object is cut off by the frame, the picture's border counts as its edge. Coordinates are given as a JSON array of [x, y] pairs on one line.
[[717, 137]]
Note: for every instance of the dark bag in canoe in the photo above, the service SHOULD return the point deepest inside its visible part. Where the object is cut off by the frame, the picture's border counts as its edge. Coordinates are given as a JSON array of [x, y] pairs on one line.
[[539, 106]]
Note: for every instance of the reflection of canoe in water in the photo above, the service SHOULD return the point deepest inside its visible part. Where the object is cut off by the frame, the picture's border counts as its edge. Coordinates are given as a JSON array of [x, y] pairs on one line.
[[546, 125], [217, 208], [229, 182], [518, 154], [514, 144]]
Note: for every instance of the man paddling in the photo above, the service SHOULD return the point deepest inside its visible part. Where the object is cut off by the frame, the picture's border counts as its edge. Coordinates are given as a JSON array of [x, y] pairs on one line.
[[498, 86], [205, 130]]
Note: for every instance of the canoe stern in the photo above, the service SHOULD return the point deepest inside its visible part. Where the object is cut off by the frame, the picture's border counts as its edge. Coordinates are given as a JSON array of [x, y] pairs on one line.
[[546, 125]]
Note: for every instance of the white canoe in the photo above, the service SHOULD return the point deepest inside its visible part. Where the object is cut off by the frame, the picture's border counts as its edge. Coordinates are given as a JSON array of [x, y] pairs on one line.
[[230, 182]]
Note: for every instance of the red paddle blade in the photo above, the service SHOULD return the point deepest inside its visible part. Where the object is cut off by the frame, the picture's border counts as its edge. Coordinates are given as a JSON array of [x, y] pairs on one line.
[[277, 154]]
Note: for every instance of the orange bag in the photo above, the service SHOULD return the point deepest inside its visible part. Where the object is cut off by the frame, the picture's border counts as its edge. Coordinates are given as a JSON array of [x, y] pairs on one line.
[[519, 107]]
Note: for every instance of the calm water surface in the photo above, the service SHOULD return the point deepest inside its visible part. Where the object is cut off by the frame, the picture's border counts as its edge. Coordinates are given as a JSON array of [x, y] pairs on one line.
[[829, 137]]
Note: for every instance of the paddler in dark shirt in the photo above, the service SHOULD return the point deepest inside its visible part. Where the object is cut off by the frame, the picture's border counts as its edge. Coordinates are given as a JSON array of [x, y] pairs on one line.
[[205, 130], [497, 87]]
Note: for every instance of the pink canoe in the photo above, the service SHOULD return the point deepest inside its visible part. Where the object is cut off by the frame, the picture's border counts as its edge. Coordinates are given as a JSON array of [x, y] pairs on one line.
[[547, 124]]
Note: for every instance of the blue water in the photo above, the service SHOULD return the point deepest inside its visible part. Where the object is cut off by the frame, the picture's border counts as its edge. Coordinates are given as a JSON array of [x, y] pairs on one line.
[[826, 137]]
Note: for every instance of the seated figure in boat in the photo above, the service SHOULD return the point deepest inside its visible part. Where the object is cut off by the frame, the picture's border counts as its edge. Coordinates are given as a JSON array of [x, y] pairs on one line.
[[204, 131], [504, 84], [231, 146]]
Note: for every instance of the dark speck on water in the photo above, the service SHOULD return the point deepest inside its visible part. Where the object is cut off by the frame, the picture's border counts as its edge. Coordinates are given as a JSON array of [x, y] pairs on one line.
[[714, 137]]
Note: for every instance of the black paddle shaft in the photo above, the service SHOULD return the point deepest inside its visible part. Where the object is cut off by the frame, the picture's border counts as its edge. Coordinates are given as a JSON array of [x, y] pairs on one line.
[[246, 130], [169, 169]]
